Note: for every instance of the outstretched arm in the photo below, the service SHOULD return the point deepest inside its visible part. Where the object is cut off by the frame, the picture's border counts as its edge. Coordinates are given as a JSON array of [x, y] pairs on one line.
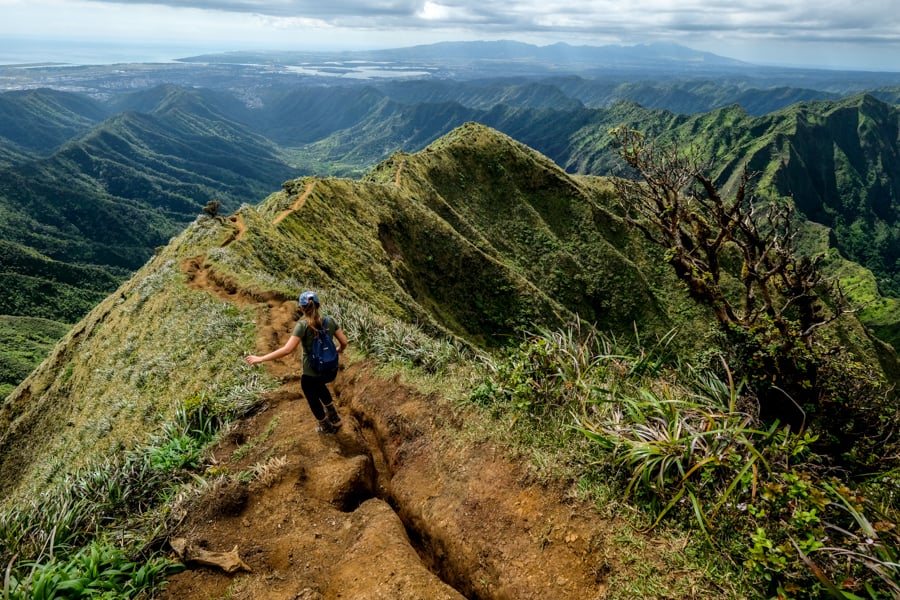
[[339, 334], [288, 347]]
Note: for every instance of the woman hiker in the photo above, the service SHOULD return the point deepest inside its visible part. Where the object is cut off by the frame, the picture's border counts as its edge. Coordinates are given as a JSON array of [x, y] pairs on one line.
[[313, 384]]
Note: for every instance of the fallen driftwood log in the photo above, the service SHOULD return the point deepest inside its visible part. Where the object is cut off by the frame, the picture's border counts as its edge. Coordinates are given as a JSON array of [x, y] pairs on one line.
[[229, 562]]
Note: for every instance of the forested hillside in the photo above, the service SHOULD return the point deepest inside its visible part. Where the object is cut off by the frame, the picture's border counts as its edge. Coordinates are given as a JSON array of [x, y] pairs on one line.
[[41, 120]]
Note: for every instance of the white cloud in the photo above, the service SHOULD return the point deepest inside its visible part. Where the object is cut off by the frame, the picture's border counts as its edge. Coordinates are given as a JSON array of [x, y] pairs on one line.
[[864, 32], [432, 11]]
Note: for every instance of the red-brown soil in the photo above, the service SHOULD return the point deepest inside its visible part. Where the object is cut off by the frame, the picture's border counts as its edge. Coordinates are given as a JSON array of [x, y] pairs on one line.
[[392, 506]]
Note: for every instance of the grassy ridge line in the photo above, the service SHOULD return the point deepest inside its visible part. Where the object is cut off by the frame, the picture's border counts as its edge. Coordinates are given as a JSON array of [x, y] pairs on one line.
[[122, 371], [554, 229], [477, 235]]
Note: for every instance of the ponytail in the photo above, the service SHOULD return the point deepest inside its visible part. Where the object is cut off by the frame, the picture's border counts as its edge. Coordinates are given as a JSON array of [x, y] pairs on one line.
[[313, 318]]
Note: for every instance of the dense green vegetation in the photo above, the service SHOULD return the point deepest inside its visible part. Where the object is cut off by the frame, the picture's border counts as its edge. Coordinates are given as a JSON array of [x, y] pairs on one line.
[[28, 341], [108, 191], [42, 120], [475, 244], [686, 446]]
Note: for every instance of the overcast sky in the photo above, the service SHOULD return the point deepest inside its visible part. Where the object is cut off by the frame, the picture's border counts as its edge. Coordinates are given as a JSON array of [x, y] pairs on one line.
[[862, 34]]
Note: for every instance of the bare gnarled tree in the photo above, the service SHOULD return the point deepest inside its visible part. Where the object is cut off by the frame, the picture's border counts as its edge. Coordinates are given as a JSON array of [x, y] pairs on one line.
[[678, 207]]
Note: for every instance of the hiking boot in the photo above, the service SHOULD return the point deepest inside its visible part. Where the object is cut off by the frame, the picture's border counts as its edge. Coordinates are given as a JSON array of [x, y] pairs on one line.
[[325, 426], [332, 415]]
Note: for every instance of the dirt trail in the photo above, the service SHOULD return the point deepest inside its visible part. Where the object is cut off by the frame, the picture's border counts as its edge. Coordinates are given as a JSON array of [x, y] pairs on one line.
[[389, 507], [298, 203], [239, 228]]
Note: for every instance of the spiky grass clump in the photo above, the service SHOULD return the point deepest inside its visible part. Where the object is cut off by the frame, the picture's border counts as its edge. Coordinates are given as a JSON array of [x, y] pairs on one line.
[[686, 446], [392, 341], [102, 529]]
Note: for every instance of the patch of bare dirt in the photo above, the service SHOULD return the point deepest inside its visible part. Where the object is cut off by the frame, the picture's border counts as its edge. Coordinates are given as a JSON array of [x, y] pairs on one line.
[[389, 507]]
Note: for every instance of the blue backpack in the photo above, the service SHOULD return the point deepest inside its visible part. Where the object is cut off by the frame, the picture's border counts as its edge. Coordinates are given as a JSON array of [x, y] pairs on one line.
[[323, 356]]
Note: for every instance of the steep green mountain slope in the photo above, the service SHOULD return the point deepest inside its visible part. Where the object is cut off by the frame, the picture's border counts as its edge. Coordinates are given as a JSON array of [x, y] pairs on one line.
[[26, 342], [206, 103], [387, 127], [303, 115], [43, 119], [839, 161], [11, 154], [111, 196], [840, 164], [132, 181], [519, 209], [42, 298], [889, 94], [37, 286], [843, 170], [77, 222]]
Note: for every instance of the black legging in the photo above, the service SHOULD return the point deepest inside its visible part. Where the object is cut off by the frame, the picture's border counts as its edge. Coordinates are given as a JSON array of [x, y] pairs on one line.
[[317, 394]]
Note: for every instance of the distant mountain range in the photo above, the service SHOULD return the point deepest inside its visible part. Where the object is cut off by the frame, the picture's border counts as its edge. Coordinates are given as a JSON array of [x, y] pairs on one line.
[[250, 75], [479, 59]]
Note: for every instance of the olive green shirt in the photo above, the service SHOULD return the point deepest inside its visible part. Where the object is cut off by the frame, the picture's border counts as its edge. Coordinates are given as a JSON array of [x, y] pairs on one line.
[[301, 329]]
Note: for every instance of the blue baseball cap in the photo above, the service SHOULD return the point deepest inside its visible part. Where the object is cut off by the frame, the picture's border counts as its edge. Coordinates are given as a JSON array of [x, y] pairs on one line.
[[307, 297]]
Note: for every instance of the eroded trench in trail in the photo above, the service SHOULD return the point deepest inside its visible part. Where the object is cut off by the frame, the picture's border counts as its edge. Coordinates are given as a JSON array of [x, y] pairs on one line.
[[395, 505]]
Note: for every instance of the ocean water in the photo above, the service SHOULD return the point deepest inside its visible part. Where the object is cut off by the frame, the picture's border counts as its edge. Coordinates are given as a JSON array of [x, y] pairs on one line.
[[31, 51]]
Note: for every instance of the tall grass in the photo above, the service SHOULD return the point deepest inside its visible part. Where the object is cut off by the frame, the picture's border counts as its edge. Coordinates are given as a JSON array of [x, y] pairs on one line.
[[101, 532], [686, 446]]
